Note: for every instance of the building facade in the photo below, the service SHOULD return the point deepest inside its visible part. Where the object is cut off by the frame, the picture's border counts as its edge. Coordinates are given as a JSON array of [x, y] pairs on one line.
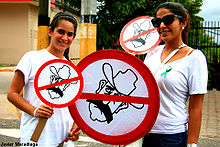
[[18, 30]]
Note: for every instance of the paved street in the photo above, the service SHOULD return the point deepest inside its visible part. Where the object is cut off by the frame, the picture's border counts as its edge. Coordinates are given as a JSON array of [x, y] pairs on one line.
[[9, 120]]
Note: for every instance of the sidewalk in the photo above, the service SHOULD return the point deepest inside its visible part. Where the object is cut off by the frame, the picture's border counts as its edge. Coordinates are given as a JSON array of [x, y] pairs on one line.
[[7, 69], [211, 115], [210, 130]]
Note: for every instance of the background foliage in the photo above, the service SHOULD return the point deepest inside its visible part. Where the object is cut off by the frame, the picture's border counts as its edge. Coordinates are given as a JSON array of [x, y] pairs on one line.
[[113, 15]]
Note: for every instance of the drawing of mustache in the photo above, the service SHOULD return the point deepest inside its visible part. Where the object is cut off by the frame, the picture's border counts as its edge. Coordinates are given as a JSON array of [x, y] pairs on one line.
[[56, 90], [104, 108]]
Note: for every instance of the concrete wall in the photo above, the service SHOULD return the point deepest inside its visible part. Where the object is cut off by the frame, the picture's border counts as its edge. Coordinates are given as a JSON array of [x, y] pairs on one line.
[[18, 32], [14, 41]]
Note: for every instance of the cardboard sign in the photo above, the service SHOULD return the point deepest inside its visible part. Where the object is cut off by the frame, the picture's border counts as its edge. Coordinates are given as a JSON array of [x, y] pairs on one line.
[[139, 36], [58, 83], [120, 99]]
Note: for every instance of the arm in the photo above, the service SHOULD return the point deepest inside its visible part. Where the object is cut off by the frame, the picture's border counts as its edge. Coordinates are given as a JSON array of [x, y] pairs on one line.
[[16, 99], [195, 118]]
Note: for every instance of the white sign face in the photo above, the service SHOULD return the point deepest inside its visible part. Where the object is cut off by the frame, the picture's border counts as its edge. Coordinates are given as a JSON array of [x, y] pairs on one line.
[[58, 83], [139, 36], [113, 78], [116, 100]]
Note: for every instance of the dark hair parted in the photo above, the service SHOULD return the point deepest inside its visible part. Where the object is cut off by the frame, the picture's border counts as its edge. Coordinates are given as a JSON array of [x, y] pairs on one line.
[[178, 9], [64, 16]]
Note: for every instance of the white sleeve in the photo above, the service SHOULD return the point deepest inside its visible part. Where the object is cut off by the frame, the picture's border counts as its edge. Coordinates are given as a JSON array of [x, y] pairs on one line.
[[198, 78], [24, 65]]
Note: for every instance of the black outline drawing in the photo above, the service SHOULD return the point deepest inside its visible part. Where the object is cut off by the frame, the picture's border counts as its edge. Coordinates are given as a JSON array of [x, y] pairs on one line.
[[55, 77], [109, 86], [140, 41]]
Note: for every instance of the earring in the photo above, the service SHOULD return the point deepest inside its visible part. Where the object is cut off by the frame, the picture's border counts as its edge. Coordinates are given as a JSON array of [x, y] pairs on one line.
[[183, 28]]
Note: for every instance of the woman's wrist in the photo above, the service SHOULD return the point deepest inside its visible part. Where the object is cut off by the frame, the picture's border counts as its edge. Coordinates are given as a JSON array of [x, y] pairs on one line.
[[35, 111], [192, 145]]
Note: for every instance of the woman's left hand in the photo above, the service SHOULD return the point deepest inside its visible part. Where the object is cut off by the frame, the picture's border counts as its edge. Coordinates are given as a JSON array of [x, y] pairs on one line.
[[74, 133]]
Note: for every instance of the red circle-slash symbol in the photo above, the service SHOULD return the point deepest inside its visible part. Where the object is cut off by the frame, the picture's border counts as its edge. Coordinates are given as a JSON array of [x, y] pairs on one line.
[[139, 36], [58, 91], [120, 99]]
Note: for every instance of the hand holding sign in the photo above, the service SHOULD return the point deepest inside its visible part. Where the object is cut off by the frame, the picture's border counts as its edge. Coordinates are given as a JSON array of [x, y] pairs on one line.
[[57, 83]]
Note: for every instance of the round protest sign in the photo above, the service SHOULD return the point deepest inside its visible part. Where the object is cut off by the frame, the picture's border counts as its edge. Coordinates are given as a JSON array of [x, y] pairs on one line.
[[120, 99], [139, 36], [58, 83]]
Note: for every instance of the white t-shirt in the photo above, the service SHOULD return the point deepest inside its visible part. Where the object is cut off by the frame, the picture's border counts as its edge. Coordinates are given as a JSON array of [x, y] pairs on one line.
[[184, 77], [57, 127]]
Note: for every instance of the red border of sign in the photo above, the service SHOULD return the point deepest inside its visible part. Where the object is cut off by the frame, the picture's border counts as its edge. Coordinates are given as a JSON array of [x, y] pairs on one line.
[[153, 102], [38, 89], [132, 51]]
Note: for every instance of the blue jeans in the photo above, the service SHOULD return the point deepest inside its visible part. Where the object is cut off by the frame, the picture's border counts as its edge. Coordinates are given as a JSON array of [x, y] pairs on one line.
[[165, 140]]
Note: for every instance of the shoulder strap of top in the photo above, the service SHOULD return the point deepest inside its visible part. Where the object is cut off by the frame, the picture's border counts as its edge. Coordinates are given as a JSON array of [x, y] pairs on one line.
[[189, 52], [169, 57]]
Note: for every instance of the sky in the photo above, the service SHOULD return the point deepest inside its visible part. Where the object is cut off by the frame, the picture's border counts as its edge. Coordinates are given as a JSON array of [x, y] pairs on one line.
[[210, 10]]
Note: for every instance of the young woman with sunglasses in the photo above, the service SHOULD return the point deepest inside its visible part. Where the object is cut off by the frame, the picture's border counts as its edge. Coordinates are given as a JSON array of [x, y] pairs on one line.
[[181, 74], [59, 126]]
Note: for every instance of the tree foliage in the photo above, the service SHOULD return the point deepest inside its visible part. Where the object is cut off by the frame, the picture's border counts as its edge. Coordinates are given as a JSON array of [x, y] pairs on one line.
[[113, 15]]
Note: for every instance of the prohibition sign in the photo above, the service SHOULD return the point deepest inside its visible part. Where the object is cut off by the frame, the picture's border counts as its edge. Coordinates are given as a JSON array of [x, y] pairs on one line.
[[120, 99], [139, 36], [58, 83]]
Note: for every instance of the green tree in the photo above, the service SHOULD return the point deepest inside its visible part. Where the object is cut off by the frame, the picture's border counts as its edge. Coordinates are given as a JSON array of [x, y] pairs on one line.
[[113, 15]]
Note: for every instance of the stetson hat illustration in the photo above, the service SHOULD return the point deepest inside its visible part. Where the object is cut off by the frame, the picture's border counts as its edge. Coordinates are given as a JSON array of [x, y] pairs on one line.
[[123, 82]]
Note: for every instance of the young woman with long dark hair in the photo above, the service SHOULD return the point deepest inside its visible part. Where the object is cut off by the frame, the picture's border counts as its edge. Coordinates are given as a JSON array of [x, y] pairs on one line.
[[62, 31], [181, 74]]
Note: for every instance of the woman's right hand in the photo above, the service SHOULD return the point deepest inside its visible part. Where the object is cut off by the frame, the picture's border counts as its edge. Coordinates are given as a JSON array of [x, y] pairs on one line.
[[44, 111]]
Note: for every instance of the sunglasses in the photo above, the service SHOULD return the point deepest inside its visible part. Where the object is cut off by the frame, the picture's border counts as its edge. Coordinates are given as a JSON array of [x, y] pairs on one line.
[[167, 20]]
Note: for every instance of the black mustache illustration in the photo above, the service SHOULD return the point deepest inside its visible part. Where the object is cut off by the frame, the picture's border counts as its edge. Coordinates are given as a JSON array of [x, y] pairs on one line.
[[56, 90], [103, 108]]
